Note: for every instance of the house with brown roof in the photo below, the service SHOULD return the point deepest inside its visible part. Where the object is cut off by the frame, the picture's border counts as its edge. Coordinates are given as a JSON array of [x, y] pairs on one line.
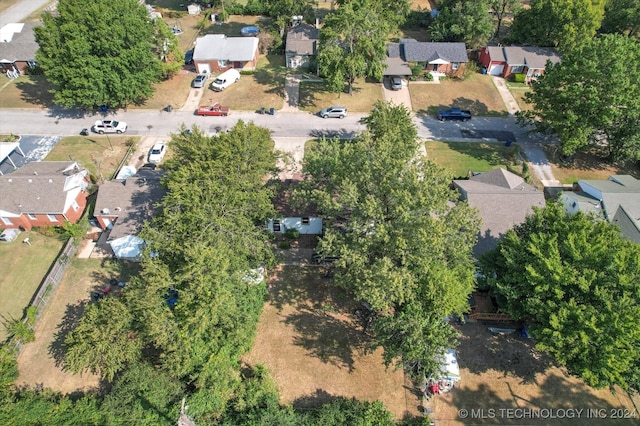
[[301, 45], [505, 61], [503, 200], [44, 193], [124, 205], [438, 58], [18, 47]]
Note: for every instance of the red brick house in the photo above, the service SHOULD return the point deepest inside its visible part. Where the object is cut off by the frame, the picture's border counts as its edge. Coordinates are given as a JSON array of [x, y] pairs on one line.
[[505, 61], [217, 53], [45, 193], [438, 58]]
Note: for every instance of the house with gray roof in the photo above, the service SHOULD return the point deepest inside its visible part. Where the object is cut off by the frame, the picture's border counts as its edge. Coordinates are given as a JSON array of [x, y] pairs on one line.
[[301, 45], [616, 200], [43, 193], [217, 53], [18, 47], [438, 58], [503, 200], [505, 61]]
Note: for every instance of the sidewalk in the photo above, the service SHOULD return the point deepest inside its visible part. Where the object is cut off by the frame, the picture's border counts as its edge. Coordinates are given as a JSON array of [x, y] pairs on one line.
[[19, 11]]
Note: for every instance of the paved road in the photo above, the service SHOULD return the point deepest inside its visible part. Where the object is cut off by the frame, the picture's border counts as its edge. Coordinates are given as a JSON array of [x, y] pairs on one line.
[[21, 10], [283, 124]]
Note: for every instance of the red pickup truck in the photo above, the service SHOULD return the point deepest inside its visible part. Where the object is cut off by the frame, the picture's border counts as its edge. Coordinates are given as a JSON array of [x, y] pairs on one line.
[[215, 110]]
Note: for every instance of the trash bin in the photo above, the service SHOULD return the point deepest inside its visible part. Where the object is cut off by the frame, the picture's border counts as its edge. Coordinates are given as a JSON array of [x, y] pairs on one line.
[[507, 143], [262, 110], [272, 111]]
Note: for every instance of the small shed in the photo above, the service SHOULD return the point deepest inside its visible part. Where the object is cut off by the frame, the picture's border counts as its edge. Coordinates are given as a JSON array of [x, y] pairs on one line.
[[194, 9]]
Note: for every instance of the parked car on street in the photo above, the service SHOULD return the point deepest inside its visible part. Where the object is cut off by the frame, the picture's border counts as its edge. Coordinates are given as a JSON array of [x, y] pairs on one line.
[[215, 110], [199, 81], [454, 114], [109, 126], [157, 152], [333, 112]]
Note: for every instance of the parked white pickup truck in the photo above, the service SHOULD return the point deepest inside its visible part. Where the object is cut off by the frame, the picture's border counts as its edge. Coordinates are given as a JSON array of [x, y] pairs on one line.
[[109, 126]]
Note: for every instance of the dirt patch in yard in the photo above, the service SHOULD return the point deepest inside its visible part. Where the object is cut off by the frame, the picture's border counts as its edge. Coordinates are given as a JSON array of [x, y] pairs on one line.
[[502, 374], [309, 340]]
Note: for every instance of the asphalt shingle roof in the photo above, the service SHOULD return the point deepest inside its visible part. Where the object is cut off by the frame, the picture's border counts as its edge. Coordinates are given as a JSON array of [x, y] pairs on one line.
[[302, 40], [22, 47], [214, 47], [533, 57], [503, 200]]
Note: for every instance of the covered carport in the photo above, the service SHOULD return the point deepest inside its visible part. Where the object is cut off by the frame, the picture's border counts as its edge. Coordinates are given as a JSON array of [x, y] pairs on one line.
[[6, 149]]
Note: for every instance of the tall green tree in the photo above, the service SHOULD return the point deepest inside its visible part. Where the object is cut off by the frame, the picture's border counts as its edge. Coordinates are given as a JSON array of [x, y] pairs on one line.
[[350, 46], [105, 341], [98, 53], [465, 21], [503, 8], [282, 10], [166, 48], [557, 23], [591, 98], [577, 281], [622, 16], [403, 239]]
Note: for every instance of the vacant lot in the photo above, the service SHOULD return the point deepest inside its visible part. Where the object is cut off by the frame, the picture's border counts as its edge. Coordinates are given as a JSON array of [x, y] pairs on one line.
[[40, 362], [314, 97], [476, 93], [506, 372], [461, 157], [23, 268], [308, 340], [100, 154]]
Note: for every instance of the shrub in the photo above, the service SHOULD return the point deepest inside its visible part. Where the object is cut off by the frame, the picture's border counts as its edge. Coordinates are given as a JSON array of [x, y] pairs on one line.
[[291, 234], [427, 76], [285, 245], [416, 69], [519, 78], [247, 72]]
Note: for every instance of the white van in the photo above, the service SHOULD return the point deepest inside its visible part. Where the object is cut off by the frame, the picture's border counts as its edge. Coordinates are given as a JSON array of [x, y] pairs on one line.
[[225, 80]]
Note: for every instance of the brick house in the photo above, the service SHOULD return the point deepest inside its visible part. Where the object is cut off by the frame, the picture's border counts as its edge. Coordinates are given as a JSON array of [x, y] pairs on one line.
[[505, 61], [45, 193], [217, 53], [441, 58], [18, 47]]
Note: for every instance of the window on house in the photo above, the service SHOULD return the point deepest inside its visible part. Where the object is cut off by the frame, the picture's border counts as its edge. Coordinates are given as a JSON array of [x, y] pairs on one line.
[[32, 216], [276, 225], [222, 63], [434, 67], [455, 65], [305, 220], [52, 217], [517, 69], [6, 221], [75, 206]]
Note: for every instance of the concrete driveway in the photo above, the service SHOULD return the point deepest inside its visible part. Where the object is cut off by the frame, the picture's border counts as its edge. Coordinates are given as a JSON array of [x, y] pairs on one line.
[[398, 97]]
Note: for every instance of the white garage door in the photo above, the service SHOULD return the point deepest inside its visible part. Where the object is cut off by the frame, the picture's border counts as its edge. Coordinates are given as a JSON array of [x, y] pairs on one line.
[[496, 69], [204, 68]]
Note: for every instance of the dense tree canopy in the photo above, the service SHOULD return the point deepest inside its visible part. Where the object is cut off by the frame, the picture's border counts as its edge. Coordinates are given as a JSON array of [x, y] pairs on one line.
[[282, 10], [577, 282], [351, 47], [403, 239], [502, 8], [557, 23], [622, 16], [100, 52], [463, 20], [592, 97]]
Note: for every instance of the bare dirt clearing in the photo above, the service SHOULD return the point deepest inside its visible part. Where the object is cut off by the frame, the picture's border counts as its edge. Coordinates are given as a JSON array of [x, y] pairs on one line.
[[308, 340]]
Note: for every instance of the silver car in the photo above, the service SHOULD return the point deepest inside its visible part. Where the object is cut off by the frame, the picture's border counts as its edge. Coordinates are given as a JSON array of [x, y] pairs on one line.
[[333, 112], [199, 81], [396, 83]]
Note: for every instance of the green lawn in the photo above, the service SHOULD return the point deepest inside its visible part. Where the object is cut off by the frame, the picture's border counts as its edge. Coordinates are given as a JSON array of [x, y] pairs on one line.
[[460, 157], [98, 154], [23, 268], [314, 97]]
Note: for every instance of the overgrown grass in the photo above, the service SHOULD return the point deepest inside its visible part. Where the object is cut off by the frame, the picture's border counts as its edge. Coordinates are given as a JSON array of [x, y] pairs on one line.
[[23, 267], [462, 157], [314, 96], [101, 155], [476, 93]]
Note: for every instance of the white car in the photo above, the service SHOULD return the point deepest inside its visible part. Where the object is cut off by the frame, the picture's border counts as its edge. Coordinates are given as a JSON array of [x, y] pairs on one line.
[[109, 126], [157, 152]]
